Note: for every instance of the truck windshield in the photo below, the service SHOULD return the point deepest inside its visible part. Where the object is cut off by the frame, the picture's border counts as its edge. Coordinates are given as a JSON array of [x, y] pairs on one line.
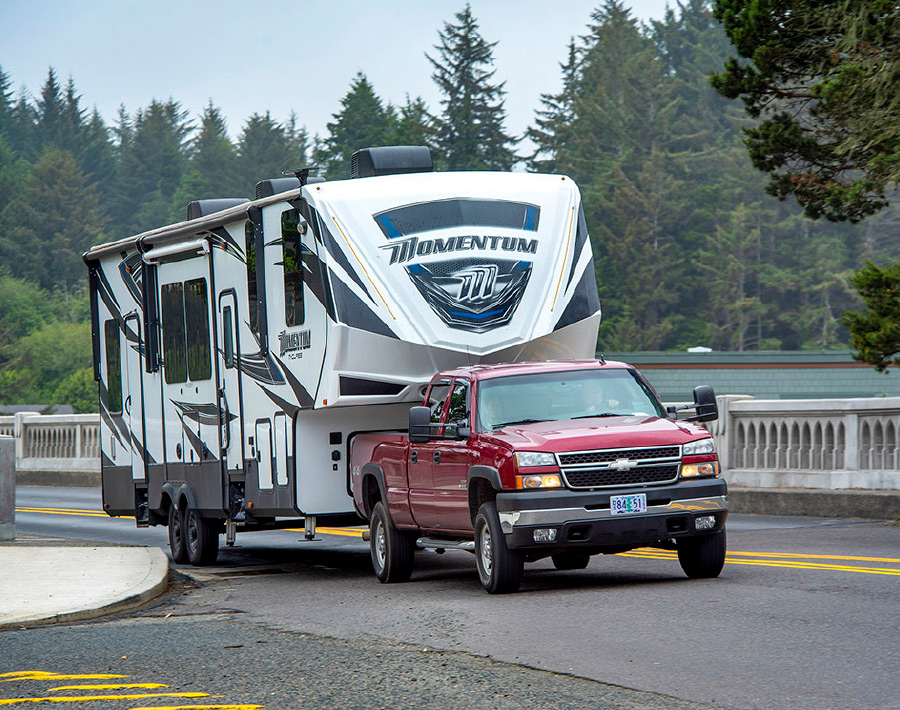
[[553, 396]]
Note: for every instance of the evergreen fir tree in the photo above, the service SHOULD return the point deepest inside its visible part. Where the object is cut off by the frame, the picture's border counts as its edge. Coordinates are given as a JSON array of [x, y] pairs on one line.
[[554, 121], [362, 122], [151, 160], [264, 151], [414, 124], [55, 220], [469, 132]]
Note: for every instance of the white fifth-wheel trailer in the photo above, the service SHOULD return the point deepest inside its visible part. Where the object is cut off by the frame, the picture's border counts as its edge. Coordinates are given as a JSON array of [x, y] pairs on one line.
[[240, 351]]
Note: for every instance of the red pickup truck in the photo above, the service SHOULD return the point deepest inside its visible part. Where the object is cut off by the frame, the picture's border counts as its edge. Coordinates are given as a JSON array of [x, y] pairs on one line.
[[561, 459]]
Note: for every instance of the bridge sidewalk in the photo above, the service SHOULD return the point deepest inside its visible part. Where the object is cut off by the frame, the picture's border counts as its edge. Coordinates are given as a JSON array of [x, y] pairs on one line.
[[51, 580]]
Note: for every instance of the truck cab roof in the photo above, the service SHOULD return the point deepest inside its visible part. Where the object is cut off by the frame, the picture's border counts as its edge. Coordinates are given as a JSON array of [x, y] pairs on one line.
[[485, 372]]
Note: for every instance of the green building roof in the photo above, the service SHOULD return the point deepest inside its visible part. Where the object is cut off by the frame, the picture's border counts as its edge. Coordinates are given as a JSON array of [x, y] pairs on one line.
[[776, 374]]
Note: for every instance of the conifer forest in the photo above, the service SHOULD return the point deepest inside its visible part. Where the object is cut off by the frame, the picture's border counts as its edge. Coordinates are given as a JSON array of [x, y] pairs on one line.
[[691, 245]]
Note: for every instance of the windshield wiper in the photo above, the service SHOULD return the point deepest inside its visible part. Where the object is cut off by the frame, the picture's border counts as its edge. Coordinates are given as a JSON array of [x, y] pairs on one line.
[[601, 414], [520, 421]]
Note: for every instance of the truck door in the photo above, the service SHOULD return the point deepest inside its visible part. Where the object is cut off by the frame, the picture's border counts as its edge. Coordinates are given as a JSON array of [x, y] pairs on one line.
[[451, 461], [231, 440], [421, 456]]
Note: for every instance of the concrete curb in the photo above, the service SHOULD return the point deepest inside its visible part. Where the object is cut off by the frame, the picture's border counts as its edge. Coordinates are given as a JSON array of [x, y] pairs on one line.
[[871, 505], [65, 479], [147, 577]]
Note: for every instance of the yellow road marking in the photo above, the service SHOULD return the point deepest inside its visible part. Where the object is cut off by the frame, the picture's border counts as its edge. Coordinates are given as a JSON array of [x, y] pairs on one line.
[[86, 698], [51, 511], [349, 532], [781, 559], [120, 686], [44, 675]]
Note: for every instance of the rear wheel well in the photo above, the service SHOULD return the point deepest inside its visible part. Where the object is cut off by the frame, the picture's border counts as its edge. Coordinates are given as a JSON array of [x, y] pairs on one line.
[[371, 494], [480, 492]]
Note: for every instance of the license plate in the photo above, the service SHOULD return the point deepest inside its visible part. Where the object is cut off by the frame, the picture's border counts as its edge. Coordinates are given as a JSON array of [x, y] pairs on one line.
[[626, 505]]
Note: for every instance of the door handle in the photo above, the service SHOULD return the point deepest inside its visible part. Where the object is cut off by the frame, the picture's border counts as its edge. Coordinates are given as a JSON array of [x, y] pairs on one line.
[[127, 405], [414, 456], [437, 457]]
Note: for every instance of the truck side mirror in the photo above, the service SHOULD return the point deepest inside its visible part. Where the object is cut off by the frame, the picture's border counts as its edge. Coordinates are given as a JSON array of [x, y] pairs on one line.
[[705, 404], [463, 431], [419, 425]]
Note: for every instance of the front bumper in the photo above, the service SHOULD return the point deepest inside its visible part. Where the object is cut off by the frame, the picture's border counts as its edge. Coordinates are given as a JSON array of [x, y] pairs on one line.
[[583, 519]]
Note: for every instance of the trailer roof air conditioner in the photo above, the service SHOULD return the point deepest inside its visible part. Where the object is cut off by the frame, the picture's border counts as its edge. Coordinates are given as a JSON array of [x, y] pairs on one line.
[[390, 160]]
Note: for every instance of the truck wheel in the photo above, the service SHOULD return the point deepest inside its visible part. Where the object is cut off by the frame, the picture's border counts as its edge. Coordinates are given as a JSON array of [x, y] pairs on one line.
[[571, 560], [176, 536], [201, 539], [702, 557], [392, 550], [499, 568]]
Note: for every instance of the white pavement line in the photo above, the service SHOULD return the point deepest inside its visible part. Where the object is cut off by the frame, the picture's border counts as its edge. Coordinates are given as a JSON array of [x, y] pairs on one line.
[[54, 584]]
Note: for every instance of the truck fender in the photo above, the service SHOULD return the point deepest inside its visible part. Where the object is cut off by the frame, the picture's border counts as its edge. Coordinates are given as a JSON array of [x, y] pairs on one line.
[[372, 471], [178, 491], [478, 475]]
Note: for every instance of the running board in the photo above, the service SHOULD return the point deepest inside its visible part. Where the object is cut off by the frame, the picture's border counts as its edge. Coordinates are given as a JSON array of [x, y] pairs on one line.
[[427, 543]]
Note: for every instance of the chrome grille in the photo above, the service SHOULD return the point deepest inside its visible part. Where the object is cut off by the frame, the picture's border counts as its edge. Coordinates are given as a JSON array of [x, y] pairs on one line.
[[608, 467], [586, 457]]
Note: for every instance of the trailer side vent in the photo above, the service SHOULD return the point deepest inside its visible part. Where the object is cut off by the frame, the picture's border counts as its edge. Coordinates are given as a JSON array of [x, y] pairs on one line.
[[390, 160], [202, 208], [275, 186]]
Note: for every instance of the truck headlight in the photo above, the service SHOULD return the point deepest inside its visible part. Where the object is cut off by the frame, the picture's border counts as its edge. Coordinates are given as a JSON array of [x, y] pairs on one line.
[[701, 446], [525, 459], [707, 468], [539, 480]]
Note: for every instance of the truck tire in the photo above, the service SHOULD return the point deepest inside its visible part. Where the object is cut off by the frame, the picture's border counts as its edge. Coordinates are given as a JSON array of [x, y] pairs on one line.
[[177, 544], [571, 560], [391, 550], [201, 539], [702, 557], [499, 568]]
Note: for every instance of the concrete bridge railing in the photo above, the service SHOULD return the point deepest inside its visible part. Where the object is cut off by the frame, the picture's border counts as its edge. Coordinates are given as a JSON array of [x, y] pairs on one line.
[[831, 444], [63, 446]]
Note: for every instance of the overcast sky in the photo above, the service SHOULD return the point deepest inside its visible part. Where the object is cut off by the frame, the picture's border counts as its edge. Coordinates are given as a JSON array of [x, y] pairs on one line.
[[280, 55]]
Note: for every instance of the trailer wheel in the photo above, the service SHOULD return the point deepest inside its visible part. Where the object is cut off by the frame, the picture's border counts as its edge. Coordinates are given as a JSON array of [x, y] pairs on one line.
[[702, 557], [571, 560], [177, 544], [499, 568], [392, 550], [201, 539]]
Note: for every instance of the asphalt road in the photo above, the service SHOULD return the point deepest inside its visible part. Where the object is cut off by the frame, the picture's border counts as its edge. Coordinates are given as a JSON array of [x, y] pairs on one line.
[[803, 616]]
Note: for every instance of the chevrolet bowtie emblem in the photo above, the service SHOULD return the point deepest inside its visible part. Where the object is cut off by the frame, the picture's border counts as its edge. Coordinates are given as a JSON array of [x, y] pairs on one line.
[[623, 464]]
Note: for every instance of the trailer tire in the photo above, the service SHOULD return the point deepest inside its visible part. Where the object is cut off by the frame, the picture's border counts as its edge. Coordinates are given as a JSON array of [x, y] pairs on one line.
[[702, 557], [571, 560], [177, 543], [392, 550], [201, 538], [500, 569]]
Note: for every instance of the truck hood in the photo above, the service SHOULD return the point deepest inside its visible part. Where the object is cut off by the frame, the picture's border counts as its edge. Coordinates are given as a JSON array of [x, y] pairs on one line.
[[596, 433]]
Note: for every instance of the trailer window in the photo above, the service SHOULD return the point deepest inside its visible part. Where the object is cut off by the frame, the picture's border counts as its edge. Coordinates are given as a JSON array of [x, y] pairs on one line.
[[250, 251], [292, 259], [196, 312], [113, 366], [458, 212], [174, 360]]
